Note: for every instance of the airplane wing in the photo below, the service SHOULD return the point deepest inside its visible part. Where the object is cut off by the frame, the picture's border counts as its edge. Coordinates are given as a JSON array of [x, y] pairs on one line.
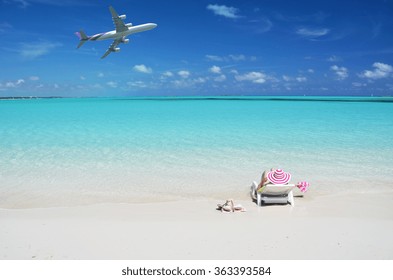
[[119, 24], [112, 48]]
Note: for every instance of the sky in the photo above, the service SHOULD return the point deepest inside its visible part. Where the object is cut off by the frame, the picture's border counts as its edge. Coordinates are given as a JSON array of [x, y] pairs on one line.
[[199, 48]]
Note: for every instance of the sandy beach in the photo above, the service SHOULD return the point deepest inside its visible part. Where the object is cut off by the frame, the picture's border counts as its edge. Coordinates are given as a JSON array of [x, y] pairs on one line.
[[345, 226]]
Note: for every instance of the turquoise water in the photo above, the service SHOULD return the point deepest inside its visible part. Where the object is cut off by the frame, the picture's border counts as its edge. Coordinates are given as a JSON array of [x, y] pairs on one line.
[[60, 152]]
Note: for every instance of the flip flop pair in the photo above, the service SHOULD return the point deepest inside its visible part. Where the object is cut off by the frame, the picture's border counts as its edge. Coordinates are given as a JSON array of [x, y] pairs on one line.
[[229, 206]]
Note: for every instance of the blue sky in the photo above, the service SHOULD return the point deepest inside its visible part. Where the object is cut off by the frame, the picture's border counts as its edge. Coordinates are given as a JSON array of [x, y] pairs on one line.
[[204, 47]]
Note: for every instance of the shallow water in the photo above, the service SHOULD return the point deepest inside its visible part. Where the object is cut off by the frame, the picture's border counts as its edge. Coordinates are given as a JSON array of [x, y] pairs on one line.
[[59, 152]]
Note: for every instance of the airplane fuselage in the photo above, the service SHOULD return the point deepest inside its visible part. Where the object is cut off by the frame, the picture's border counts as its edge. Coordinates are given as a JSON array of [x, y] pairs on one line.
[[116, 35]]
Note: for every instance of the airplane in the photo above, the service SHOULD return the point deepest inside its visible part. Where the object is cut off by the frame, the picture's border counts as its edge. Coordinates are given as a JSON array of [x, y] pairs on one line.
[[119, 35]]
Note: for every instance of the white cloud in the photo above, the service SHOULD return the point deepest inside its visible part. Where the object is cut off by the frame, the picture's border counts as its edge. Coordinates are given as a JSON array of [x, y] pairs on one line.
[[220, 78], [199, 80], [82, 78], [357, 84], [230, 58], [34, 50], [239, 57], [254, 77], [14, 84], [214, 58], [261, 25], [34, 78], [381, 70], [142, 69], [215, 69], [100, 75], [299, 79], [20, 81], [189, 83], [183, 83], [184, 74], [333, 58], [312, 32], [139, 84], [179, 84], [311, 71], [167, 74], [222, 10], [95, 86], [112, 84], [341, 72]]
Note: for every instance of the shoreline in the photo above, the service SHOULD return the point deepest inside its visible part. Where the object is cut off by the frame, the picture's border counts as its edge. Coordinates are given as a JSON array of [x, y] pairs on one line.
[[344, 226]]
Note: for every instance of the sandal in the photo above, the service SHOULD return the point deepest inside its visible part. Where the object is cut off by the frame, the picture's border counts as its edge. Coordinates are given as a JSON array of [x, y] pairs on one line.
[[226, 207], [239, 208]]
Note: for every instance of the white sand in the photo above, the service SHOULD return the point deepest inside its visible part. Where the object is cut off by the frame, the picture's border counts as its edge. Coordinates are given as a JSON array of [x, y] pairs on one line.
[[326, 227]]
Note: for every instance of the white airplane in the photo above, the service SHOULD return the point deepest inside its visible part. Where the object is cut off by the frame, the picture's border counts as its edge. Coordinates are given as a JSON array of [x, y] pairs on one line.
[[119, 35]]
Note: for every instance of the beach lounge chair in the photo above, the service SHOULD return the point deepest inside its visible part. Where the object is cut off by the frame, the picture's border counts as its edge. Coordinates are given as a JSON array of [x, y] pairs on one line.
[[273, 194]]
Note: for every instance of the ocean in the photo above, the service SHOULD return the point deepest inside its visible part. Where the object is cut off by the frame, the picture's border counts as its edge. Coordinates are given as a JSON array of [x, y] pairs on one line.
[[66, 152]]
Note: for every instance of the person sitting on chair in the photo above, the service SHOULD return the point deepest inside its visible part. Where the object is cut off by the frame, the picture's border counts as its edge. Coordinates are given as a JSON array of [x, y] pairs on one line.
[[275, 177]]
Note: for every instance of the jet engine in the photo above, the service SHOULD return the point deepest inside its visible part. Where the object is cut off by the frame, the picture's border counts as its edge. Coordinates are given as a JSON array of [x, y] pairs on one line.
[[125, 41], [123, 17], [116, 49], [129, 24]]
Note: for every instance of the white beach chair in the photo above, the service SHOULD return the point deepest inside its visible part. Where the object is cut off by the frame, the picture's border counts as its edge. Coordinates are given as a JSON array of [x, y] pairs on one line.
[[273, 194]]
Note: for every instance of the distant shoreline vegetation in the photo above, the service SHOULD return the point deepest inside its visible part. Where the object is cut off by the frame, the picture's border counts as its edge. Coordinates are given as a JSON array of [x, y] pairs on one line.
[[29, 97], [388, 99]]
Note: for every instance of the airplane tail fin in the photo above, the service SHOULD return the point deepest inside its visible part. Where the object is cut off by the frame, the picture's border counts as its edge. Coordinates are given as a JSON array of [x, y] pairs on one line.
[[82, 37]]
